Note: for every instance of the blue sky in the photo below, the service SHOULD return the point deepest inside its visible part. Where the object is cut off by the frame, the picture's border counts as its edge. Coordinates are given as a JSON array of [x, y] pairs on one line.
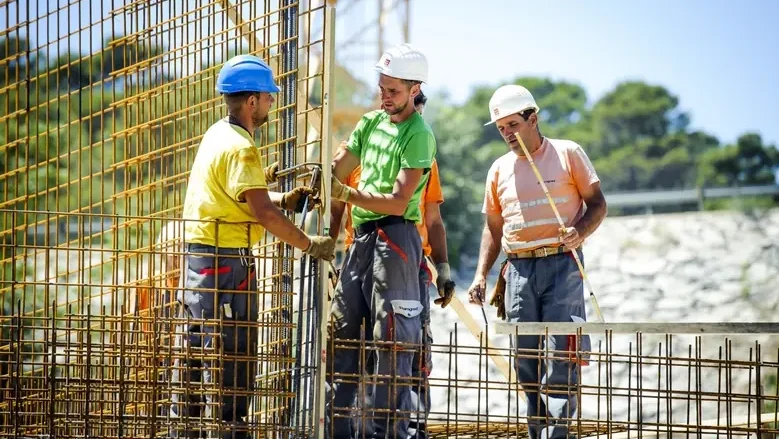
[[721, 58]]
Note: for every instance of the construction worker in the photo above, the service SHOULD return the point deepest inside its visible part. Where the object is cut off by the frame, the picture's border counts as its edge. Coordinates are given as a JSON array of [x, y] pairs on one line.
[[226, 210], [169, 246], [433, 235], [541, 278], [379, 281]]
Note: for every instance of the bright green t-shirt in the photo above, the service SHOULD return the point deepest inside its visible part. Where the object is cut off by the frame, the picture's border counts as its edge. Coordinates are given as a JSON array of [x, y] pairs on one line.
[[384, 148]]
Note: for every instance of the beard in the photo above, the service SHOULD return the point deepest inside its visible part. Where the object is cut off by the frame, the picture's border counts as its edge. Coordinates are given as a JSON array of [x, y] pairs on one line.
[[259, 119], [396, 109]]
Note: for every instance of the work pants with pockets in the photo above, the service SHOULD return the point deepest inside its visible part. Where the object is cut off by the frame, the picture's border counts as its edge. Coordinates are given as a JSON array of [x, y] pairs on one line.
[[378, 286], [547, 289], [216, 361], [421, 365]]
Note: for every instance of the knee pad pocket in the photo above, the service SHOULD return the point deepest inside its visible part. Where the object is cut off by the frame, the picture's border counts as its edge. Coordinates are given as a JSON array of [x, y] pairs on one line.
[[406, 321]]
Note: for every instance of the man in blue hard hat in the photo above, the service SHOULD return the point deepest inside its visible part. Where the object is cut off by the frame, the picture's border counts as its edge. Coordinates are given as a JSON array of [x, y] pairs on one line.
[[227, 209]]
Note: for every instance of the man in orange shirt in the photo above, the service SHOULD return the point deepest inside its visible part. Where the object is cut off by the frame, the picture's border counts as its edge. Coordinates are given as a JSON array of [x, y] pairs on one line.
[[543, 283], [433, 235]]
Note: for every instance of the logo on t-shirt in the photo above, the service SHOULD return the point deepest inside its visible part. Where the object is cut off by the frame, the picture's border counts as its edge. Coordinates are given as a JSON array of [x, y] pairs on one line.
[[386, 62]]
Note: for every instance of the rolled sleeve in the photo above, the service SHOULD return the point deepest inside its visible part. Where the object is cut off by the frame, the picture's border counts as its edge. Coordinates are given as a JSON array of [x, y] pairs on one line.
[[434, 194], [354, 144], [491, 199], [244, 172], [582, 170]]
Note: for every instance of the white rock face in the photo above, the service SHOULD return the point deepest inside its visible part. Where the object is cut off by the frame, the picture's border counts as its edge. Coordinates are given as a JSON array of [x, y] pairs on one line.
[[695, 267]]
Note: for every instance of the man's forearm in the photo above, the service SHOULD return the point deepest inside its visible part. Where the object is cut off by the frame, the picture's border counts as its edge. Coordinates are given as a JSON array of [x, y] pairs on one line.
[[281, 227], [591, 219], [436, 235], [271, 218], [387, 204], [337, 209], [488, 253], [275, 198]]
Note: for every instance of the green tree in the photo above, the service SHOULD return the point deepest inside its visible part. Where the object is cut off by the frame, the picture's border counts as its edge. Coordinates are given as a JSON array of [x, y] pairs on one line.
[[747, 162]]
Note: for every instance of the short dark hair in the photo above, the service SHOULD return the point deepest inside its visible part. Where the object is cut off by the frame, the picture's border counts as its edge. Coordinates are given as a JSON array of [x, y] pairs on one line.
[[420, 99], [235, 100], [526, 114]]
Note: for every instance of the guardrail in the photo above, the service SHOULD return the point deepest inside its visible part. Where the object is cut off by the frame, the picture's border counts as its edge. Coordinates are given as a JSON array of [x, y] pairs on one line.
[[681, 196]]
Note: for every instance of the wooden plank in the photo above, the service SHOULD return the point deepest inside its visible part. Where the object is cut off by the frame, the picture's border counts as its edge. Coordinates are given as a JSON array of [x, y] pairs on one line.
[[720, 426], [497, 358], [675, 328]]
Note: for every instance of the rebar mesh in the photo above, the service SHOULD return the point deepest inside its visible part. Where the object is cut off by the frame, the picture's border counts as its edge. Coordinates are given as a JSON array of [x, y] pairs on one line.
[[640, 385], [103, 107]]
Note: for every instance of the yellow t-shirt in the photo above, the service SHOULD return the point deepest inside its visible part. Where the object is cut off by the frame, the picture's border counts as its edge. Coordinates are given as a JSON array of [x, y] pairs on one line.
[[226, 165]]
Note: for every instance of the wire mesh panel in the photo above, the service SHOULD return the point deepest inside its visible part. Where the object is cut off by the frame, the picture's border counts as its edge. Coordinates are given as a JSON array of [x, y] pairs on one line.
[[103, 107], [640, 385]]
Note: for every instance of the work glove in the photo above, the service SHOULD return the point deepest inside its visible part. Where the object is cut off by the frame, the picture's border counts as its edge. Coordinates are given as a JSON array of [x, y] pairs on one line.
[[321, 247], [498, 299], [271, 172], [338, 190], [294, 199], [444, 284], [333, 276]]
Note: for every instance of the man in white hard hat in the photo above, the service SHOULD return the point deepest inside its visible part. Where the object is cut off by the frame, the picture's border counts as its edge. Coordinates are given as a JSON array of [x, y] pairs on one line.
[[433, 233], [379, 281], [542, 280]]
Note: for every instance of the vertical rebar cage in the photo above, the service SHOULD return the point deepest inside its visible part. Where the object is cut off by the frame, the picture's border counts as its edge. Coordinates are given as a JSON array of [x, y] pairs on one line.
[[103, 104], [102, 108]]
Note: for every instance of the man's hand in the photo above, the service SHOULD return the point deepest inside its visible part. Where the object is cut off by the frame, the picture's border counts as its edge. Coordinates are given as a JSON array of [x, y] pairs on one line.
[[338, 190], [271, 173], [321, 247], [444, 284], [571, 238], [477, 290], [294, 199]]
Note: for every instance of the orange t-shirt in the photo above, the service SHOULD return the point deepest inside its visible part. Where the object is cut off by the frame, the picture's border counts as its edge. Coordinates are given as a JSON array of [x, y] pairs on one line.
[[430, 194], [513, 191]]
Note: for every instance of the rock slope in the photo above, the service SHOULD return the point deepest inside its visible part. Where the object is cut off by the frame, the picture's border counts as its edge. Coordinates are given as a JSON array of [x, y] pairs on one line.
[[693, 267]]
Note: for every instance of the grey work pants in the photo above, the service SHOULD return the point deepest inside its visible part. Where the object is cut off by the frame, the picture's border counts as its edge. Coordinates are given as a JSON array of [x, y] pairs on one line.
[[421, 365], [548, 289], [379, 285], [214, 371]]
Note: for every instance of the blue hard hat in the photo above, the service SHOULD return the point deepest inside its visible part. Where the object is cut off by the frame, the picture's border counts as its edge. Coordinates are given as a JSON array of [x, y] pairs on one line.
[[245, 73]]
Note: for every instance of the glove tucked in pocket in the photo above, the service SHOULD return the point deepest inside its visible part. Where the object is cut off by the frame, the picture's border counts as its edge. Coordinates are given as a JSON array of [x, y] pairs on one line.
[[498, 298]]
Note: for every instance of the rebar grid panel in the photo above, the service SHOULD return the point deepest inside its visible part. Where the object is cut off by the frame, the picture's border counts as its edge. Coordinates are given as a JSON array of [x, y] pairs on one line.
[[103, 107], [639, 385]]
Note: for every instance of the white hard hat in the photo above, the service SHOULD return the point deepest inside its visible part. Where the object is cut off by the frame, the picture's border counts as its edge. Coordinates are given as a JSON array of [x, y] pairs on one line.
[[508, 100], [403, 62]]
